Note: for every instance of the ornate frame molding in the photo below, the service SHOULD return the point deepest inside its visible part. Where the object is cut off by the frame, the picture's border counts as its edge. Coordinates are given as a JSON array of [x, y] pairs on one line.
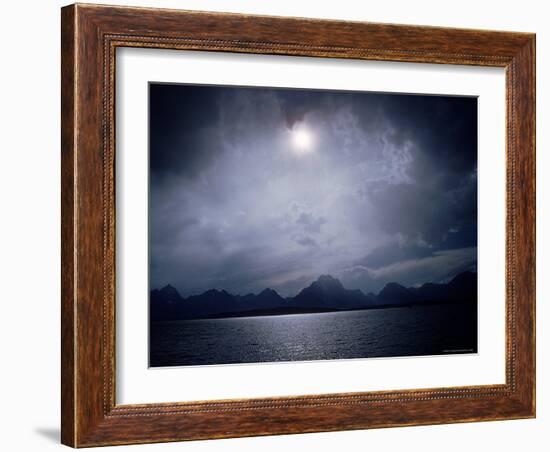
[[90, 36]]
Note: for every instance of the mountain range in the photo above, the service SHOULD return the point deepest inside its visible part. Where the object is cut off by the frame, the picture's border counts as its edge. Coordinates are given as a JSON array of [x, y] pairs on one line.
[[326, 294]]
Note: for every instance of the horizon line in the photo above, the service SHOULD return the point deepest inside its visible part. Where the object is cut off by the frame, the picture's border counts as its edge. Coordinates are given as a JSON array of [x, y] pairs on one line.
[[308, 285]]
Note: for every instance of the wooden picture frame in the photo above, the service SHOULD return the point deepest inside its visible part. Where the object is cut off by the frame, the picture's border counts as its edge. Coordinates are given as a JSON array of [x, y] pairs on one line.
[[90, 36]]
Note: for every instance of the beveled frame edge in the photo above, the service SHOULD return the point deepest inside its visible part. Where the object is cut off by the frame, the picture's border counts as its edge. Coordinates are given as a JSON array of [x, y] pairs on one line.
[[90, 35]]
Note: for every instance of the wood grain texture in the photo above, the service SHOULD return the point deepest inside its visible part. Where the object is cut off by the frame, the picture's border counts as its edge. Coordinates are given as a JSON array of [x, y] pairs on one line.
[[90, 36], [68, 147]]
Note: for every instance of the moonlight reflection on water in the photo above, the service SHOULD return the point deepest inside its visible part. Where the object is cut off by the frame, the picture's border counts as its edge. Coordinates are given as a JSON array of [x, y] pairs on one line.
[[418, 331]]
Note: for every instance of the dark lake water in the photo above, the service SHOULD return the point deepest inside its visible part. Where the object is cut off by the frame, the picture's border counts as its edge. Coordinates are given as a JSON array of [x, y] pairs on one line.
[[390, 332]]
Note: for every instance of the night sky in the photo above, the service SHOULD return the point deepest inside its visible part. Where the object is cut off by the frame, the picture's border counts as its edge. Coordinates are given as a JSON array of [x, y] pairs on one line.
[[255, 187]]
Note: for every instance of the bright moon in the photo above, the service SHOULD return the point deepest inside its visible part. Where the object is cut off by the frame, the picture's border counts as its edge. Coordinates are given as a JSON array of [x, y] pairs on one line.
[[302, 140]]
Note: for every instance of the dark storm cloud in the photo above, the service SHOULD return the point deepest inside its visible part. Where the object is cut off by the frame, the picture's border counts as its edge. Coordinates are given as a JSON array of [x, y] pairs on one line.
[[181, 129], [385, 191]]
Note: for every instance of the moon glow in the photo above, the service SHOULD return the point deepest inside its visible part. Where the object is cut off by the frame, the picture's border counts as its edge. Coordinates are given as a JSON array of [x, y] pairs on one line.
[[302, 140]]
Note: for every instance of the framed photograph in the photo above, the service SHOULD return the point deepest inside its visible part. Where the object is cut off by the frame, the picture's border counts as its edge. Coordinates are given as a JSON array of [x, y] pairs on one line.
[[281, 225]]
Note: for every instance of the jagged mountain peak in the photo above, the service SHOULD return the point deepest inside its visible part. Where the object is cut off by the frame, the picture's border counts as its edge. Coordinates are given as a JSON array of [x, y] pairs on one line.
[[328, 282], [167, 294], [326, 293], [326, 278], [394, 291], [268, 296], [168, 288]]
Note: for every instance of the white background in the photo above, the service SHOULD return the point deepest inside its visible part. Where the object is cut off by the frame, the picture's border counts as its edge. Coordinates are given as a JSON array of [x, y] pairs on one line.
[[138, 384], [29, 235]]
